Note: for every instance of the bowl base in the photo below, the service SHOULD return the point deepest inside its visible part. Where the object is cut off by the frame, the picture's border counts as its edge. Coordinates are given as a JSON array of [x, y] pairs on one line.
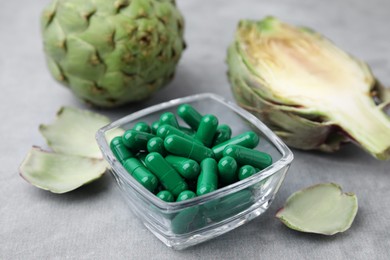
[[180, 242]]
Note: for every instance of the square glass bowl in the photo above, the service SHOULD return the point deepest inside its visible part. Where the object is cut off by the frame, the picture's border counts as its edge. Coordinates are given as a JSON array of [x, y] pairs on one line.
[[183, 224]]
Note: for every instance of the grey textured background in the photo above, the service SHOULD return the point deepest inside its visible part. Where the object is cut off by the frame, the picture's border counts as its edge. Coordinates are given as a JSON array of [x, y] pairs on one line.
[[95, 223]]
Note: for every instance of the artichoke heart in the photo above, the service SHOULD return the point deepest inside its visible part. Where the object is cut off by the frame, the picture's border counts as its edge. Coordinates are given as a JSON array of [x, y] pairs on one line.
[[310, 92]]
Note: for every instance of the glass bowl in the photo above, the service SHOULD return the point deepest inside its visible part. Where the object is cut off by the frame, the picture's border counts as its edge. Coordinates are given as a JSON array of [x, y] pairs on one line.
[[183, 224]]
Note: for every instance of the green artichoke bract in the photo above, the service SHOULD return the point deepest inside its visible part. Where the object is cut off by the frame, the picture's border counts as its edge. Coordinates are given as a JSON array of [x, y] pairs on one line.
[[60, 173], [311, 93], [76, 158], [111, 52], [322, 209]]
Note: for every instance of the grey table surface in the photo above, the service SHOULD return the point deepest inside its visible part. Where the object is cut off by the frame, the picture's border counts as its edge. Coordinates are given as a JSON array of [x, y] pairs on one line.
[[95, 223]]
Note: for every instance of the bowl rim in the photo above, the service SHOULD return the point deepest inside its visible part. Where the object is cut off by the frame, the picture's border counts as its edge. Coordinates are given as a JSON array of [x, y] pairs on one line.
[[285, 160]]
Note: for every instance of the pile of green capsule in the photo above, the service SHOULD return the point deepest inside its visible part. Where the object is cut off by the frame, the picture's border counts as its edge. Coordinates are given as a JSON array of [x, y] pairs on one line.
[[178, 163]]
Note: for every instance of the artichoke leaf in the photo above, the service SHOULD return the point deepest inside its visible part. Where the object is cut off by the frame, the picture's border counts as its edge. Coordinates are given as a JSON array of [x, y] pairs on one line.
[[381, 92], [332, 142], [60, 173], [73, 132], [301, 70], [382, 96], [322, 209]]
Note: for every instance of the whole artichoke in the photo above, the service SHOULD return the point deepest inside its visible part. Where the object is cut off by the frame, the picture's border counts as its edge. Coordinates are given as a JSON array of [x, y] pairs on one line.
[[311, 93], [111, 52]]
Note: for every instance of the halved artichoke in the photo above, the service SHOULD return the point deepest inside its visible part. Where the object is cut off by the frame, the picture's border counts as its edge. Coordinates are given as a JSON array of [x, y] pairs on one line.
[[311, 93]]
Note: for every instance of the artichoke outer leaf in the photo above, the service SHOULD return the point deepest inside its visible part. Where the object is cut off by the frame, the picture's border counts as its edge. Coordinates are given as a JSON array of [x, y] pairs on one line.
[[73, 132], [321, 209], [382, 96], [48, 13], [60, 173]]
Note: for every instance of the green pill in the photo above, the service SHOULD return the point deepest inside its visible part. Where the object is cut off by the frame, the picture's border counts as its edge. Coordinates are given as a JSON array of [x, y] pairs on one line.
[[183, 222], [248, 139], [169, 118], [208, 177], [248, 156], [189, 115], [141, 157], [186, 148], [165, 196], [185, 195], [165, 130], [156, 144], [206, 130], [136, 140], [187, 130], [167, 175], [187, 168], [228, 206], [154, 126], [246, 171], [141, 174], [142, 127], [223, 133], [120, 150], [227, 168]]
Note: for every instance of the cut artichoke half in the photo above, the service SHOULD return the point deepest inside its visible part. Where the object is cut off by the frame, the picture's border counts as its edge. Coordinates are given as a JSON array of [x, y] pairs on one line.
[[73, 132], [322, 209], [293, 76], [60, 173]]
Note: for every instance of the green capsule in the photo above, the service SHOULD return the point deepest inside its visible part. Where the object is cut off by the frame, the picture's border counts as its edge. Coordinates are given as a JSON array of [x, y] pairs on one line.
[[169, 118], [245, 156], [198, 222], [208, 177], [165, 130], [248, 139], [135, 140], [206, 130], [246, 171], [227, 168], [165, 196], [154, 126], [156, 144], [189, 115], [120, 150], [229, 205], [141, 174], [167, 175], [186, 148], [185, 195], [183, 222], [187, 131], [223, 133], [141, 157], [187, 168], [142, 127]]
